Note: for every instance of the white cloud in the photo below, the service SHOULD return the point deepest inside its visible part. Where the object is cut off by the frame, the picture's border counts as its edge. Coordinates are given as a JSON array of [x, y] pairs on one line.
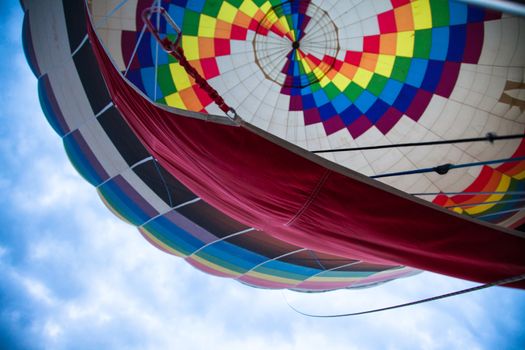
[[3, 251], [38, 291], [52, 329]]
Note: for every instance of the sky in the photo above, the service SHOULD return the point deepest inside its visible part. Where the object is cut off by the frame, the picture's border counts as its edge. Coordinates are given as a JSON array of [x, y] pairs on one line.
[[72, 275]]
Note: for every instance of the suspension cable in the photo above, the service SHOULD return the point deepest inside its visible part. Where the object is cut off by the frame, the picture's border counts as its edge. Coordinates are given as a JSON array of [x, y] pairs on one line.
[[467, 193], [421, 301], [444, 168], [490, 137], [476, 204]]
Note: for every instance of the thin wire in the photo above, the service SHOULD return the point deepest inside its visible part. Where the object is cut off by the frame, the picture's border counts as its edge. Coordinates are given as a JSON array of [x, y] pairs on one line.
[[315, 258], [500, 212], [320, 272], [490, 137], [253, 268], [99, 23], [220, 239], [443, 169], [110, 14], [421, 301], [466, 193], [135, 49], [163, 182], [484, 203]]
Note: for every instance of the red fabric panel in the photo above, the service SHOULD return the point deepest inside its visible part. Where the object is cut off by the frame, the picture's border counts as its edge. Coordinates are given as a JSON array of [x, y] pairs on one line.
[[264, 185]]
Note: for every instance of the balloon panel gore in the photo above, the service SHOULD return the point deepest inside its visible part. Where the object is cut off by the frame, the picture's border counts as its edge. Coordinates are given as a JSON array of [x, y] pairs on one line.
[[383, 73]]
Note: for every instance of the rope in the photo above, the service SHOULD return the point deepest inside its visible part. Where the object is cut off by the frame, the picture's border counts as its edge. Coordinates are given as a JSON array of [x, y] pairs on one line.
[[421, 301], [467, 193], [475, 204], [201, 82], [491, 137], [444, 168], [501, 212], [173, 48]]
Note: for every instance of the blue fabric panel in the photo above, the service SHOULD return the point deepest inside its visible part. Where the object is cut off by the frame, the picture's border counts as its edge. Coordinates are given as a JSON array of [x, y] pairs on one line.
[[391, 91], [416, 73], [439, 47], [365, 101]]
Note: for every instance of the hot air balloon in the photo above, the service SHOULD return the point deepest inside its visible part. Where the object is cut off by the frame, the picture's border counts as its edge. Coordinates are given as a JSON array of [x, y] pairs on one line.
[[309, 145]]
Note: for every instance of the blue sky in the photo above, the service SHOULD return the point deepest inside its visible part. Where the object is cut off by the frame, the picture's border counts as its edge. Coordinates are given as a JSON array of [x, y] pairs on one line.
[[73, 276]]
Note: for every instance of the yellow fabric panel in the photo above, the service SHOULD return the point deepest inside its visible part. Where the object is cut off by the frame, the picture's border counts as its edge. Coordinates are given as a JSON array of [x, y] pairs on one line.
[[175, 100], [207, 26], [264, 276], [362, 77], [405, 44], [227, 12], [190, 44], [385, 64], [249, 8], [215, 267], [422, 14], [341, 81], [324, 80]]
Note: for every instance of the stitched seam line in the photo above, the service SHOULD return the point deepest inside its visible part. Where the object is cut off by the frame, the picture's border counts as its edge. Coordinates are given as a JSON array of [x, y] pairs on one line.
[[311, 198]]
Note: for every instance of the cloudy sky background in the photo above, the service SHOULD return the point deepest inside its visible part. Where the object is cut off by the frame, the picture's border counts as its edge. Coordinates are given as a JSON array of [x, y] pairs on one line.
[[73, 276]]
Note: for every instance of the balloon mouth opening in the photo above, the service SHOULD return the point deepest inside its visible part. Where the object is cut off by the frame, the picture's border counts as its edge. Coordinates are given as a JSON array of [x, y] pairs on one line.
[[296, 44]]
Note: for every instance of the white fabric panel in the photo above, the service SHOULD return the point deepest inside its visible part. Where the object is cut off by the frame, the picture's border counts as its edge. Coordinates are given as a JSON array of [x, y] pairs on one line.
[[122, 15], [49, 34], [412, 184], [508, 42], [109, 27], [491, 42], [70, 95], [113, 38], [316, 137]]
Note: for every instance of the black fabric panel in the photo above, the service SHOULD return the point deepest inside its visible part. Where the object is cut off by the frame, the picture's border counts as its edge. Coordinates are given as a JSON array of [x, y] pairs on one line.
[[92, 80], [330, 261], [521, 228], [75, 15], [261, 243], [211, 219], [304, 258], [365, 267], [121, 135], [163, 184]]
